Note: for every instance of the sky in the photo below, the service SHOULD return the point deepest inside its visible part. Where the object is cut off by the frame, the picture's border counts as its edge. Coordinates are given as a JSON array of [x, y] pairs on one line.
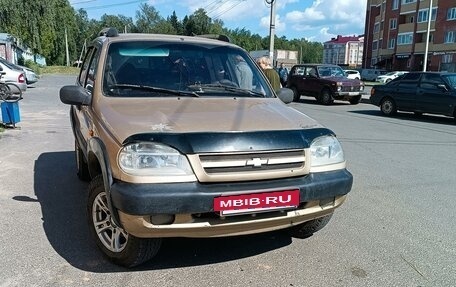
[[314, 20]]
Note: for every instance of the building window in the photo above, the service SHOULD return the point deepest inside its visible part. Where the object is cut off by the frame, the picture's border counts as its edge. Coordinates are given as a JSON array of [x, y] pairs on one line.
[[395, 4], [376, 27], [424, 14], [450, 37], [373, 62], [447, 58], [391, 43], [393, 24], [374, 45], [405, 39], [408, 1], [451, 14]]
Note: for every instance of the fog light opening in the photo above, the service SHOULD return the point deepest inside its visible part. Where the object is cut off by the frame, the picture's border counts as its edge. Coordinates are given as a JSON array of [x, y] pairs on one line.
[[162, 219], [327, 202]]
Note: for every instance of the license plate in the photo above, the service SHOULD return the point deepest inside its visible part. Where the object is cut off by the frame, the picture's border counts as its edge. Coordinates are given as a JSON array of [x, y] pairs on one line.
[[256, 202], [353, 93]]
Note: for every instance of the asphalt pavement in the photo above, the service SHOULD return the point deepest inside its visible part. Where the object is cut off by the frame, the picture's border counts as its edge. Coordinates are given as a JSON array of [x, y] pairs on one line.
[[397, 227]]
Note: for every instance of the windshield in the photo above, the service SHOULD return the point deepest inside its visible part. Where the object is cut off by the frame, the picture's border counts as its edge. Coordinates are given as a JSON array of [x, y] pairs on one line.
[[330, 71], [451, 80], [148, 68]]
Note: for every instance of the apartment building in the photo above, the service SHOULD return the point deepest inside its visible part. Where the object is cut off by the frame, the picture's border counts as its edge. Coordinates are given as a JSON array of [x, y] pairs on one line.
[[396, 34], [344, 51]]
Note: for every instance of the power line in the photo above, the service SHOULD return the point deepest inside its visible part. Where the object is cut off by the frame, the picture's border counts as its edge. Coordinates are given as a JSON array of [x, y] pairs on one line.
[[212, 6], [82, 2], [220, 13], [112, 5]]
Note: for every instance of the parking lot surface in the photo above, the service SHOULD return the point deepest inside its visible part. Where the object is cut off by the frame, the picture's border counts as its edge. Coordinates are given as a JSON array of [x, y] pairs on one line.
[[397, 227]]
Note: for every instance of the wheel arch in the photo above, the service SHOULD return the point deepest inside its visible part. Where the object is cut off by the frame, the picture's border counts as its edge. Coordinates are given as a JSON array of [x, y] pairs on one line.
[[98, 163]]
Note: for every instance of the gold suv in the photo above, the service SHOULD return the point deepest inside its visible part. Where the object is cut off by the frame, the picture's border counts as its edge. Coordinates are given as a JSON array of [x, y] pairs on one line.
[[185, 137]]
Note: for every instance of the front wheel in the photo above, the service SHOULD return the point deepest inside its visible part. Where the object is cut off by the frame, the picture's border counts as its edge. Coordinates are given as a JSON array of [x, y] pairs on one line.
[[296, 95], [388, 107], [116, 244], [325, 97], [10, 92], [308, 228]]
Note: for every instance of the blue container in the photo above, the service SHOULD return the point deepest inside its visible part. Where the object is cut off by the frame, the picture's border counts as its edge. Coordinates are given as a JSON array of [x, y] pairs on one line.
[[10, 113]]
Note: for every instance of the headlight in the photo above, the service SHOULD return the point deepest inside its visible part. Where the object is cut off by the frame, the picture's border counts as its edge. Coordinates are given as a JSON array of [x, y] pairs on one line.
[[153, 159], [361, 88], [326, 150]]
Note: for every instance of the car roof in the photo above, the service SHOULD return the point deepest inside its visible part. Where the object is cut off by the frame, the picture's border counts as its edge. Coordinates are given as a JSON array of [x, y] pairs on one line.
[[201, 39]]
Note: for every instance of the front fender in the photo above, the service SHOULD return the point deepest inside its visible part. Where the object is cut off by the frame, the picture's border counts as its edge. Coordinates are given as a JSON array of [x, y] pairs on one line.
[[100, 164]]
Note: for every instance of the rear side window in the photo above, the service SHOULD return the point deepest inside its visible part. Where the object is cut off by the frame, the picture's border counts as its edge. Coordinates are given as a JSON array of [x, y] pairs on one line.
[[412, 77], [88, 69], [85, 67]]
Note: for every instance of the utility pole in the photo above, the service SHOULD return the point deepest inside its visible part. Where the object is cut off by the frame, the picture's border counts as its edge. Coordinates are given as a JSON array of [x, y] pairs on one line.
[[271, 30], [426, 50], [66, 48]]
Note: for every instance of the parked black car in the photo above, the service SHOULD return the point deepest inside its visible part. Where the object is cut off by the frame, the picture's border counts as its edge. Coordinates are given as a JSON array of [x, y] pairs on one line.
[[418, 92], [325, 82]]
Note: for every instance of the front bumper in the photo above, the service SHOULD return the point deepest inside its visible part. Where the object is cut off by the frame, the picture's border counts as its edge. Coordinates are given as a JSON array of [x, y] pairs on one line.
[[195, 197], [193, 207], [347, 95]]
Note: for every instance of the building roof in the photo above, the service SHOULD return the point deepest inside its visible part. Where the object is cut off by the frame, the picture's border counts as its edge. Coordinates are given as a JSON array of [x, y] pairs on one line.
[[345, 39]]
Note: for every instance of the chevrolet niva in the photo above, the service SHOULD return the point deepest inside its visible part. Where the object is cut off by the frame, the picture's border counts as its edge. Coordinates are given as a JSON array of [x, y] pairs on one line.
[[184, 137]]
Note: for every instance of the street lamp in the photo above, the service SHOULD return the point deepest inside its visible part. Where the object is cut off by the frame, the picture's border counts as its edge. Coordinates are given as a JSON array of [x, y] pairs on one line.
[[426, 50], [271, 30]]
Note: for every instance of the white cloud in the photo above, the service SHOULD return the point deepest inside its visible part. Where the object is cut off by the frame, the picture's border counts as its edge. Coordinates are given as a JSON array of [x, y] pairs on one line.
[[280, 26], [329, 18]]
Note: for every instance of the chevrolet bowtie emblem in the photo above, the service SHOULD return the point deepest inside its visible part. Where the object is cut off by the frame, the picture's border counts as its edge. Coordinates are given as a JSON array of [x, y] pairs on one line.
[[256, 162]]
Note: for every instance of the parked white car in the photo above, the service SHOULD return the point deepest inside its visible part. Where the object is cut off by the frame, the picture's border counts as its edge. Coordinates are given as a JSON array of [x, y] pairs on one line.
[[13, 75], [352, 74], [389, 76], [30, 75], [371, 74]]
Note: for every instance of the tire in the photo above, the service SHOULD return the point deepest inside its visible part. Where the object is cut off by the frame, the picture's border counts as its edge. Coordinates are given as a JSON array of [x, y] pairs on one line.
[[388, 107], [296, 95], [10, 92], [307, 229], [81, 164], [355, 100], [116, 244], [387, 81], [325, 97]]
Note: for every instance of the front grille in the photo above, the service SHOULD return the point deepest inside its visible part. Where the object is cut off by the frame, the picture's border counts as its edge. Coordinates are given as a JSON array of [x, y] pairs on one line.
[[246, 166], [350, 88]]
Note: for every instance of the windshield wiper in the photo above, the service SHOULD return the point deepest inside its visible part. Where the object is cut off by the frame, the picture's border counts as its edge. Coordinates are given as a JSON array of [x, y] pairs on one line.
[[154, 89], [233, 89]]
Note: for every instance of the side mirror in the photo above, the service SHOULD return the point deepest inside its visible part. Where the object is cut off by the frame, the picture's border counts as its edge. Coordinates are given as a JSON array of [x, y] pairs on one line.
[[75, 95], [285, 94]]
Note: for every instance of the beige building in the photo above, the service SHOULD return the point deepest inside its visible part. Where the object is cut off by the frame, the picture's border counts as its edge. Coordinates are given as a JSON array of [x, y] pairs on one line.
[[344, 51], [396, 34]]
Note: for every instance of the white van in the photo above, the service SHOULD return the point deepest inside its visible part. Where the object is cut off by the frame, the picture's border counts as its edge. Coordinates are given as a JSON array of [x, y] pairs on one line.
[[371, 74]]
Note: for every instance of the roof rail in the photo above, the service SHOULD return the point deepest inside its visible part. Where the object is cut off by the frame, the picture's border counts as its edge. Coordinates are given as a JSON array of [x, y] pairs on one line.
[[219, 37], [109, 32]]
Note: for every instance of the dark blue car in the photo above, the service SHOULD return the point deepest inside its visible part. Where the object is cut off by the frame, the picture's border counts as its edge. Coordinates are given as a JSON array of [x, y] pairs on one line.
[[418, 92]]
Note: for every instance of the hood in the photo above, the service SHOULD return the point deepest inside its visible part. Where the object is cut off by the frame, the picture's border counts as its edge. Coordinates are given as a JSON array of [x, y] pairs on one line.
[[343, 80], [124, 117]]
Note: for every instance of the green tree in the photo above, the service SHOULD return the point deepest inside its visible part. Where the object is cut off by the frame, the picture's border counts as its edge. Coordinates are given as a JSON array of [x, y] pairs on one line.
[[146, 18], [177, 25]]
